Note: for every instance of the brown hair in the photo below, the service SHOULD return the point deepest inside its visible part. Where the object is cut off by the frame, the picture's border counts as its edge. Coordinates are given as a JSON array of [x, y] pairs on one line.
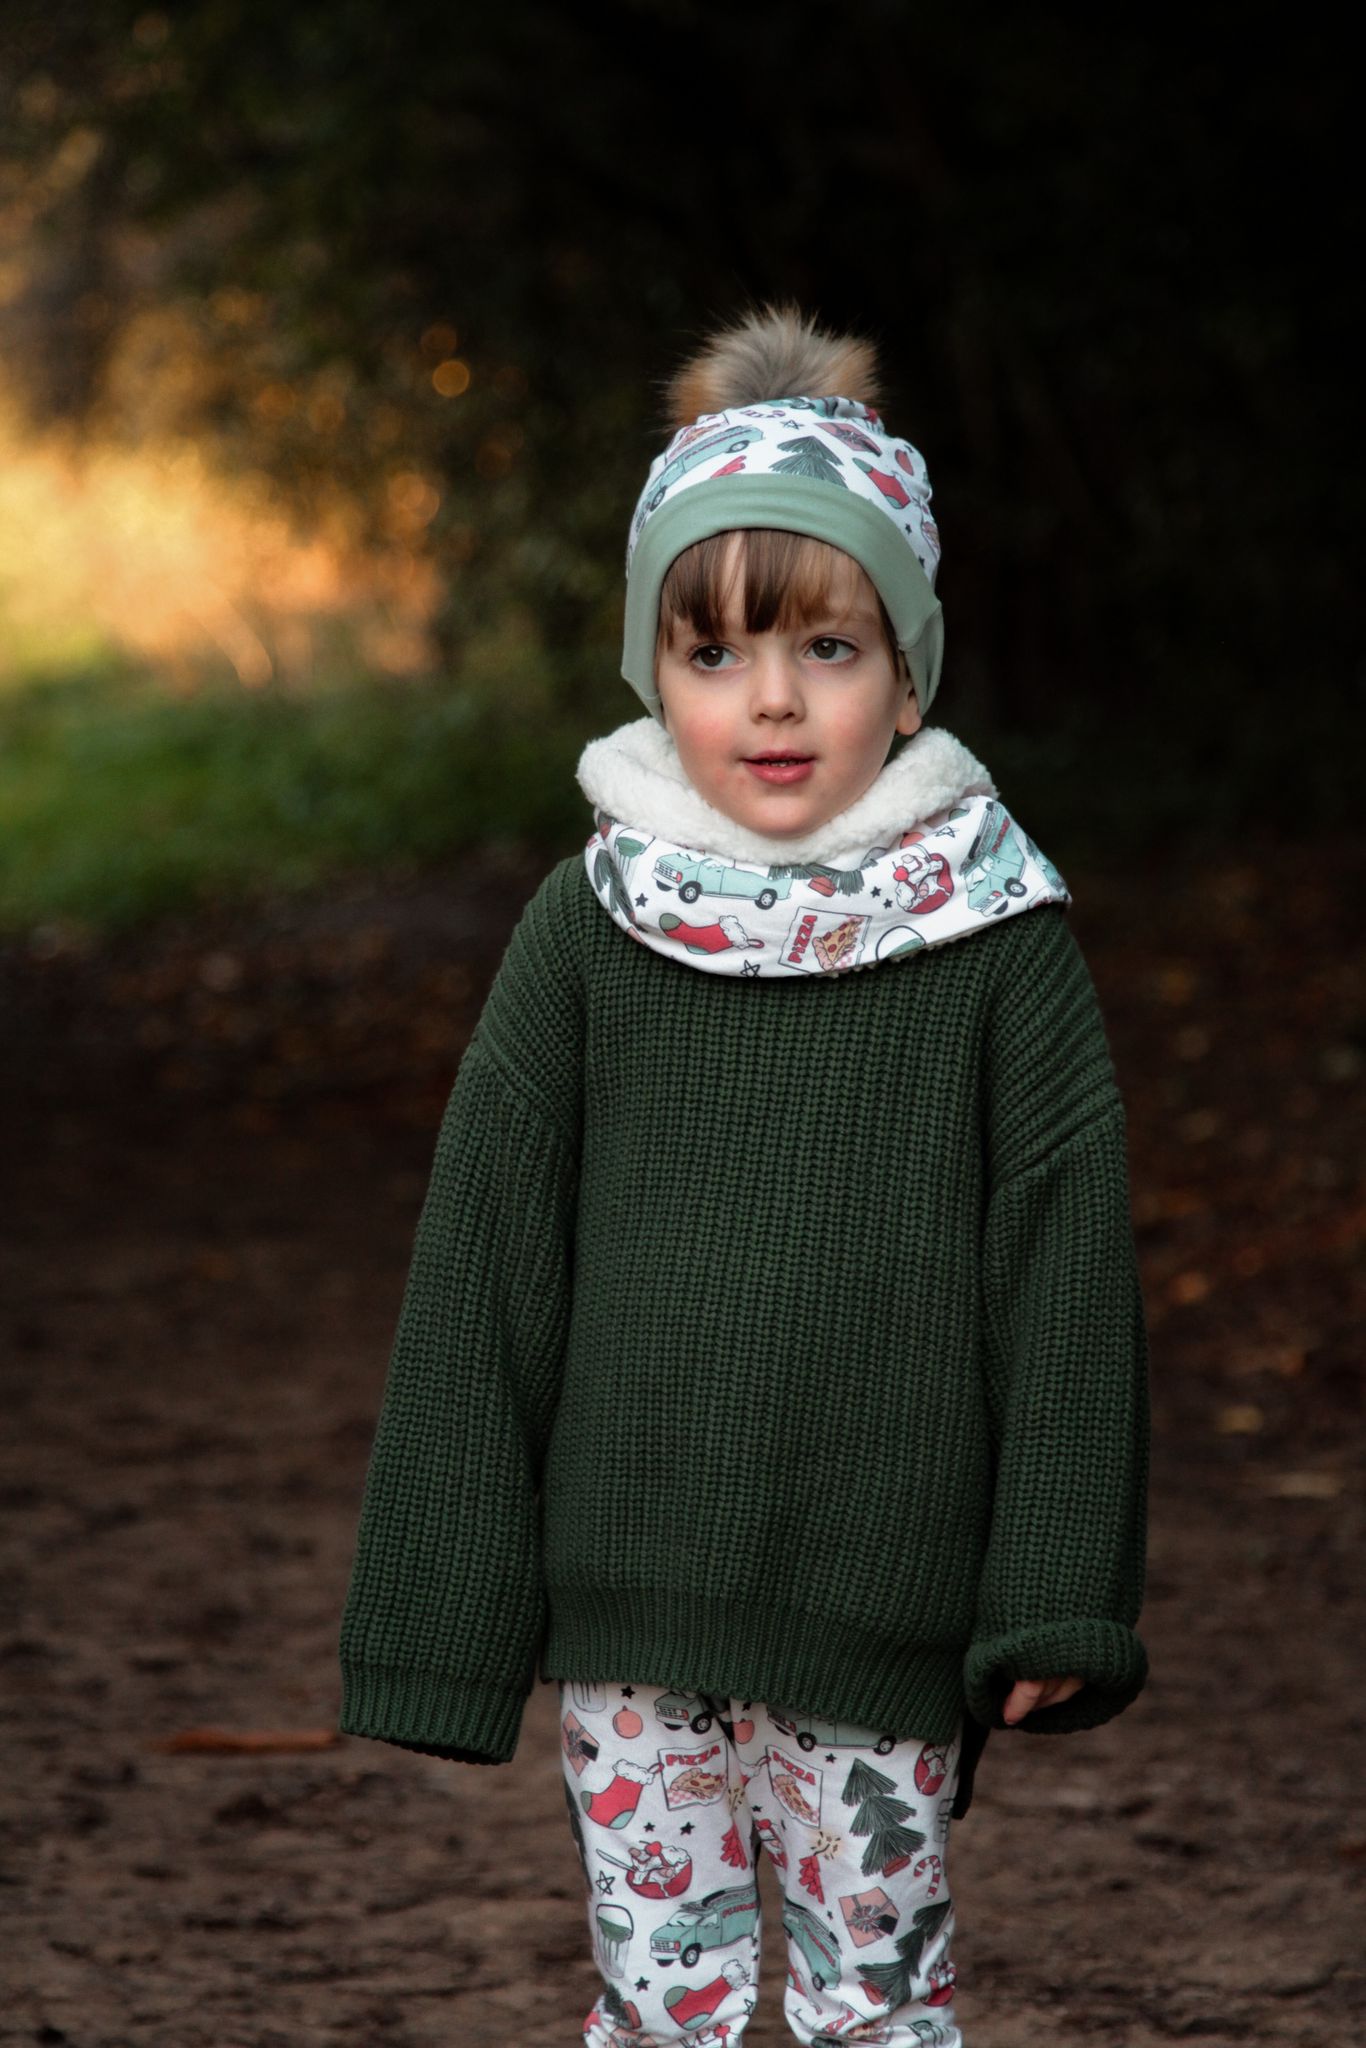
[[788, 579]]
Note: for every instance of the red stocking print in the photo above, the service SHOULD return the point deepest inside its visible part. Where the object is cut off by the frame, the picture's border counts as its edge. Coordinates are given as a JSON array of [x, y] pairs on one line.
[[614, 1805], [690, 2006]]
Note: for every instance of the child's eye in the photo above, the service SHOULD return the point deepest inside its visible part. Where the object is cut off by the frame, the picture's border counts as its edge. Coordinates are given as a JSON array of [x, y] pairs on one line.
[[701, 655], [825, 647]]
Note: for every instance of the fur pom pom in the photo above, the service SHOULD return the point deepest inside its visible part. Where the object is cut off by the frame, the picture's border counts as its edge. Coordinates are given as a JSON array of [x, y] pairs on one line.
[[776, 352]]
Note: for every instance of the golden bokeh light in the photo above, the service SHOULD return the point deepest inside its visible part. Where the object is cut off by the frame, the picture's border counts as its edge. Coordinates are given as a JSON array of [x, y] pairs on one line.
[[152, 554], [452, 377]]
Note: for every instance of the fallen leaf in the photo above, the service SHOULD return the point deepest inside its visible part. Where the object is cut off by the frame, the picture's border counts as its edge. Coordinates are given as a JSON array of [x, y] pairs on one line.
[[1304, 1485], [230, 1741], [1240, 1418]]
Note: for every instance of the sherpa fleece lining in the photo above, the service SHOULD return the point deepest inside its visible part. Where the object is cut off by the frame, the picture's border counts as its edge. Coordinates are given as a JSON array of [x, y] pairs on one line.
[[635, 775]]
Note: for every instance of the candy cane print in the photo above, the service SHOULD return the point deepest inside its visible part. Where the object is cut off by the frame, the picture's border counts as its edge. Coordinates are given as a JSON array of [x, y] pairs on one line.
[[932, 1863]]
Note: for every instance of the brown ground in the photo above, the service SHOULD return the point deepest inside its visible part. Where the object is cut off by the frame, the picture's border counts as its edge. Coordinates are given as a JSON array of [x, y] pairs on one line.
[[221, 1137]]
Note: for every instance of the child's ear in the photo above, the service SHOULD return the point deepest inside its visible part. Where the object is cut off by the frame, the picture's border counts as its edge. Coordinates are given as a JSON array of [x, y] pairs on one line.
[[908, 717]]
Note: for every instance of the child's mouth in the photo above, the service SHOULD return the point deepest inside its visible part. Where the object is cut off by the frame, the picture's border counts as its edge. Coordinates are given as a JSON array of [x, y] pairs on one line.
[[781, 767]]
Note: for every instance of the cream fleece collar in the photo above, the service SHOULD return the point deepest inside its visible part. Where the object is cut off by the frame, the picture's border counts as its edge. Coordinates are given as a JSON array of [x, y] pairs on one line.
[[634, 774]]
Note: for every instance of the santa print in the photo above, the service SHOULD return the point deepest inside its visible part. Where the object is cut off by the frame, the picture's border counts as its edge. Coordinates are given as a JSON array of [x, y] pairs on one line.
[[879, 1816]]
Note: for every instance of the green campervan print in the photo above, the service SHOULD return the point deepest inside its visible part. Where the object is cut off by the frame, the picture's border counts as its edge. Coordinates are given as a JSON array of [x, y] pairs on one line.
[[994, 868], [730, 440], [683, 1710], [695, 874], [817, 1943], [711, 1922], [808, 1730]]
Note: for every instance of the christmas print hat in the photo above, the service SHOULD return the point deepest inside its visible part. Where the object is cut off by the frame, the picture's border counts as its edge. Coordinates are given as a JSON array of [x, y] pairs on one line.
[[820, 465]]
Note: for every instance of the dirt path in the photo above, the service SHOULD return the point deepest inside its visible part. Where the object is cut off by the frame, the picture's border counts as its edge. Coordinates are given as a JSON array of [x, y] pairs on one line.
[[220, 1144]]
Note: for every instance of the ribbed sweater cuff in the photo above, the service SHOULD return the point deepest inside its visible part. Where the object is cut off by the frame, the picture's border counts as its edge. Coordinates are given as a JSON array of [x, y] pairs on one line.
[[1107, 1654], [429, 1711]]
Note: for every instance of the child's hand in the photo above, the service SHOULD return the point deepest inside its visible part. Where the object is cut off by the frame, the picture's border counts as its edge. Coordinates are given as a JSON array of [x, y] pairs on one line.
[[1028, 1693]]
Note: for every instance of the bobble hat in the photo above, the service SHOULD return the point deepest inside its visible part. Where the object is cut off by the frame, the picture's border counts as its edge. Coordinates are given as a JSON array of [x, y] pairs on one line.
[[820, 466]]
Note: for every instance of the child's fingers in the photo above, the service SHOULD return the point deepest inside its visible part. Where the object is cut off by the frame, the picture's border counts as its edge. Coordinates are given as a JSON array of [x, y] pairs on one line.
[[1022, 1698], [1028, 1693]]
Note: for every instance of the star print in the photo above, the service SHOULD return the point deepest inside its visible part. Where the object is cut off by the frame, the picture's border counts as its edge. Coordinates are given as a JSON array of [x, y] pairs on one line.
[[640, 900], [877, 892], [642, 1983], [829, 1759], [749, 967], [649, 1827], [686, 1828], [628, 1692], [604, 1882]]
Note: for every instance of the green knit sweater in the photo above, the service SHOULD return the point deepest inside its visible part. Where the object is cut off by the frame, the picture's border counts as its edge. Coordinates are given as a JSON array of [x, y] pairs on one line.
[[783, 1341]]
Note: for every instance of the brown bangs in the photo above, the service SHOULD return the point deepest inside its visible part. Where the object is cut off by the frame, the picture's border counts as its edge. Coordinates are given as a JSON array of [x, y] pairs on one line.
[[788, 579]]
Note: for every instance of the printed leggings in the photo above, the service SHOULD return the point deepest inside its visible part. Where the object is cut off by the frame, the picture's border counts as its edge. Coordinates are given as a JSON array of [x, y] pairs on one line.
[[670, 1795]]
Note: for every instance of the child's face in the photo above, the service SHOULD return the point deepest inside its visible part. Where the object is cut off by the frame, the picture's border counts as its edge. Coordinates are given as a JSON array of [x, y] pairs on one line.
[[828, 691]]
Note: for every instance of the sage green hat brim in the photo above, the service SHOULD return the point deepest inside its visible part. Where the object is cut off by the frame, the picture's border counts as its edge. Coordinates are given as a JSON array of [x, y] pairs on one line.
[[793, 504]]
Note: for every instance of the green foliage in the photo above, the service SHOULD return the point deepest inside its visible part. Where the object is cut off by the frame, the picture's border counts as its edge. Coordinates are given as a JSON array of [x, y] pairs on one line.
[[118, 803]]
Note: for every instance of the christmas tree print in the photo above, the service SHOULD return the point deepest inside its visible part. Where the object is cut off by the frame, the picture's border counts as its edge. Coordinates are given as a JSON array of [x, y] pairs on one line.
[[807, 456], [616, 2009], [576, 1830], [896, 1982], [879, 1816], [609, 884], [733, 1849]]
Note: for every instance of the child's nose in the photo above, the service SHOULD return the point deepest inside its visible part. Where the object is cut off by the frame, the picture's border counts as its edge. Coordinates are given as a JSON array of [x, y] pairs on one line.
[[776, 677]]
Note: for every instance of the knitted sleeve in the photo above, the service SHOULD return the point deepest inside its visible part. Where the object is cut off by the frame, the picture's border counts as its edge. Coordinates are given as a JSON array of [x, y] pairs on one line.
[[445, 1610], [1067, 1354]]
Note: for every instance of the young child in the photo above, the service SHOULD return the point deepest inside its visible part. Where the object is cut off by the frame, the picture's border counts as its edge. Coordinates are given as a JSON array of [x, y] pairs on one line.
[[771, 1373]]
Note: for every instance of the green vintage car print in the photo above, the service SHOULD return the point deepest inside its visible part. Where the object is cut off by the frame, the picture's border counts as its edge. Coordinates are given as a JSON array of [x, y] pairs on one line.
[[817, 1944], [693, 875], [724, 441], [994, 867], [711, 1922], [807, 1730], [683, 1710]]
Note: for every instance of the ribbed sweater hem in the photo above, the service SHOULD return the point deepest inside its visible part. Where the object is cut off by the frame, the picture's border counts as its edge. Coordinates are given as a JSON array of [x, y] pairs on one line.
[[427, 1711], [753, 1649]]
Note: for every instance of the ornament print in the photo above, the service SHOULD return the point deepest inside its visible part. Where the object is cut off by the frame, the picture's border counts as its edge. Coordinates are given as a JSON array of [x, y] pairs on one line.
[[682, 1792]]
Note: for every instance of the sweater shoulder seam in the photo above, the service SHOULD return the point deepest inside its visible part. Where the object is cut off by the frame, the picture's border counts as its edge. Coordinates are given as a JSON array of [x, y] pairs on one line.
[[482, 1043], [1113, 1111]]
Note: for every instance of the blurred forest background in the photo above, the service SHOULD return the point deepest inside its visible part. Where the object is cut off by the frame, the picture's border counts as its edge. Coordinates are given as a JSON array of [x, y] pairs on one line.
[[333, 345]]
